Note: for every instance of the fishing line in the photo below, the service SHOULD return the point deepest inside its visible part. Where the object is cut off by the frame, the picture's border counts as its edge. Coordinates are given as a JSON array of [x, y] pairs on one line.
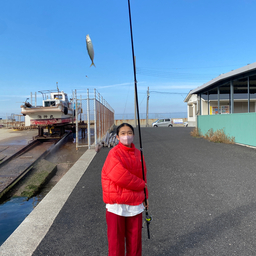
[[143, 98], [129, 87]]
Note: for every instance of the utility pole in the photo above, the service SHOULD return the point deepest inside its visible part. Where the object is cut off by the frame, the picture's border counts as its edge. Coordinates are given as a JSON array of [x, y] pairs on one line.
[[147, 125]]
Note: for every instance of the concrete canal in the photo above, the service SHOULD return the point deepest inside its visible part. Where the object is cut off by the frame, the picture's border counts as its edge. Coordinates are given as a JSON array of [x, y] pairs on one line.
[[16, 209]]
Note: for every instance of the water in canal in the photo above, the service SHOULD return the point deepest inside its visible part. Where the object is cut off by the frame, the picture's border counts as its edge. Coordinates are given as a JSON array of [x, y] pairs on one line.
[[13, 212]]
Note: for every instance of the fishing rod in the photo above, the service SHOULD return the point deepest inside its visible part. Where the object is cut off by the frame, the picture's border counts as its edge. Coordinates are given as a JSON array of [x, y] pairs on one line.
[[148, 218]]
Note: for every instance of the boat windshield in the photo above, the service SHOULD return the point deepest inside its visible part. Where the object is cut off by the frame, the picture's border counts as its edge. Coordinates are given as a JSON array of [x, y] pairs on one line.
[[58, 96]]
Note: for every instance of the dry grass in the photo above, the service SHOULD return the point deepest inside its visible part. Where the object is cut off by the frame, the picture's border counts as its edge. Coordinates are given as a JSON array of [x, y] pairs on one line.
[[196, 133], [218, 136], [209, 135]]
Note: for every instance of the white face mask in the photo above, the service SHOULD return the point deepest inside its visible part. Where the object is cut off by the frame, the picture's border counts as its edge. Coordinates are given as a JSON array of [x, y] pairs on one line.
[[126, 139]]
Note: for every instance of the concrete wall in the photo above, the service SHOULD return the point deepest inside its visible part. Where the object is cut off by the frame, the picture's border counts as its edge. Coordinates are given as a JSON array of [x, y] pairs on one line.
[[242, 126]]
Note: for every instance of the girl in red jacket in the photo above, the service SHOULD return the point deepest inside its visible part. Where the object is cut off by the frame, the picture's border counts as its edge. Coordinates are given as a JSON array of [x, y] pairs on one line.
[[123, 192]]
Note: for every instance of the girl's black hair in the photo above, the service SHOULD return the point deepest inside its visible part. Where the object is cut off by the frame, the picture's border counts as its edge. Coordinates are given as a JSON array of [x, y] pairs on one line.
[[122, 125]]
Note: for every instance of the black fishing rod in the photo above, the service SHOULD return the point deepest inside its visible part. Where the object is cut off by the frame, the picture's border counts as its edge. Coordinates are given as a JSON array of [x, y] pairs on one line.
[[148, 218]]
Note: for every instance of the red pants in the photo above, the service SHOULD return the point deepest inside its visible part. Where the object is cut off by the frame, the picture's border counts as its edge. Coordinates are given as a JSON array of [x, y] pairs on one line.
[[123, 230]]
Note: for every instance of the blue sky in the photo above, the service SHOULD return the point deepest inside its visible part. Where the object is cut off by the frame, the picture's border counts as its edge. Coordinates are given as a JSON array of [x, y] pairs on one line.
[[179, 45]]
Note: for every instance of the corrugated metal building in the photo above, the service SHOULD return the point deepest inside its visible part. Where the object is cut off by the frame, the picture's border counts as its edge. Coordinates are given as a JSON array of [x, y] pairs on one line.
[[227, 102]]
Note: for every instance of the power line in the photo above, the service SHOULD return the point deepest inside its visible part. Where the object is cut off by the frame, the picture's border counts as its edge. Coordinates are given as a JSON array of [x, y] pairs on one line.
[[192, 67], [168, 92], [192, 73]]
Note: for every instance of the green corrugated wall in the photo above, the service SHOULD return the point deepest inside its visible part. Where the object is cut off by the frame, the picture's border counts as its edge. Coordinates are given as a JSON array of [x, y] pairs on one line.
[[242, 126]]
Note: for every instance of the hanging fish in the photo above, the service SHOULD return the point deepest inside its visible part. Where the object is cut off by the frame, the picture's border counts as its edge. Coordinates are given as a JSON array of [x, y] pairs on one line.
[[90, 49]]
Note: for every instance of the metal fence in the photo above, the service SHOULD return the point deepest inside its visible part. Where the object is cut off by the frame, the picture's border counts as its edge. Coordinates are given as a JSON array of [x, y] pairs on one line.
[[13, 121], [96, 118]]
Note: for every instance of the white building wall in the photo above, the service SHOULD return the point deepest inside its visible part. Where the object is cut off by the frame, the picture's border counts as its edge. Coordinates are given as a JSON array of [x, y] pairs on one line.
[[204, 110], [27, 120], [192, 103]]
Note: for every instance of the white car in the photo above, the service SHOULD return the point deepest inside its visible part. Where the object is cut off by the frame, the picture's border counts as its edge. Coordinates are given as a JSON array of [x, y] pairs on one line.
[[167, 122]]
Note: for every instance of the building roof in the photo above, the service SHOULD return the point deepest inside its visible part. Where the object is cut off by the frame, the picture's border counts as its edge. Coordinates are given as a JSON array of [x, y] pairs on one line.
[[240, 72], [188, 96]]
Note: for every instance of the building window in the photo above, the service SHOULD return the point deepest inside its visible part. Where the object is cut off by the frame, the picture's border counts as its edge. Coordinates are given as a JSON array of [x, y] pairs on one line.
[[190, 110]]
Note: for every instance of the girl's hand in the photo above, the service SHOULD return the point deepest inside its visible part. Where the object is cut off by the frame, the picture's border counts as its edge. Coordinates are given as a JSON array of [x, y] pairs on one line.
[[146, 204]]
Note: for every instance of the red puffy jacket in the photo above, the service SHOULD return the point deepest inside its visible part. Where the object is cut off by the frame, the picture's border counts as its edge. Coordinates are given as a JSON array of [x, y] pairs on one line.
[[121, 176]]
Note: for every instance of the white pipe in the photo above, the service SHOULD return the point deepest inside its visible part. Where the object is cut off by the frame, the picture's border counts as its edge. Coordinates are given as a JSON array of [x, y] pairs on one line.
[[76, 123], [103, 119], [88, 121], [95, 119], [73, 107], [81, 107], [99, 117]]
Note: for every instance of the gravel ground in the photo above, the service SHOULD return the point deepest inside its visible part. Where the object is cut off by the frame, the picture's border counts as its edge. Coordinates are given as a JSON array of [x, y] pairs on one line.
[[202, 199], [21, 136]]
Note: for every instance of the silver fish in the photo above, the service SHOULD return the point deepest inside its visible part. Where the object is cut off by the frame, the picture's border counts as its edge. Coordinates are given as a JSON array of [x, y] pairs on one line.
[[90, 49]]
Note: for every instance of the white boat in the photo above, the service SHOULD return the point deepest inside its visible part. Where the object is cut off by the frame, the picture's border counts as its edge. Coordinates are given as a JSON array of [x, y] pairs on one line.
[[56, 109]]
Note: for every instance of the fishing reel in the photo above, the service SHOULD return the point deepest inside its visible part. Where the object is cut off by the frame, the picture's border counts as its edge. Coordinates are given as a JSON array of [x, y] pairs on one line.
[[147, 219]]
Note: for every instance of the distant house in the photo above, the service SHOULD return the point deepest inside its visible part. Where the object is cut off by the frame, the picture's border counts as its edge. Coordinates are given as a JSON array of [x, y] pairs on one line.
[[210, 106]]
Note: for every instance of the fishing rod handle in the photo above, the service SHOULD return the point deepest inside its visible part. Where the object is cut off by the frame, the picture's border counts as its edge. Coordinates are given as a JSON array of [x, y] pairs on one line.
[[148, 230]]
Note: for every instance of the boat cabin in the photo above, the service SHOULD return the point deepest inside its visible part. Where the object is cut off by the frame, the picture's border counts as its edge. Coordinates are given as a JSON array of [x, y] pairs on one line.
[[56, 98]]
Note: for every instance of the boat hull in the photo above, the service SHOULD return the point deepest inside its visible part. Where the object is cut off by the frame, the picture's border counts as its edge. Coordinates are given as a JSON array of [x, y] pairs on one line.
[[42, 116], [43, 122]]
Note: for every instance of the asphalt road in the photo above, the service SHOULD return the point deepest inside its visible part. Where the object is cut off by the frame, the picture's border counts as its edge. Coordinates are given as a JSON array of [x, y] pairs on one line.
[[202, 199]]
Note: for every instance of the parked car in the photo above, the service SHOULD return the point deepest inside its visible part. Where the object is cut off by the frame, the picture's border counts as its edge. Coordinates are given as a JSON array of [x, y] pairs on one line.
[[167, 122], [185, 124]]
